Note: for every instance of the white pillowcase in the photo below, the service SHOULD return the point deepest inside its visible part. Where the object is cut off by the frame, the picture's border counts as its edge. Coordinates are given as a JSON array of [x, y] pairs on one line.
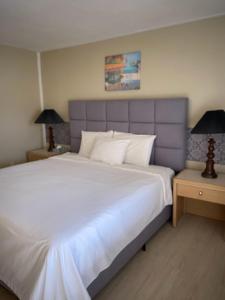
[[88, 140], [110, 150], [139, 149]]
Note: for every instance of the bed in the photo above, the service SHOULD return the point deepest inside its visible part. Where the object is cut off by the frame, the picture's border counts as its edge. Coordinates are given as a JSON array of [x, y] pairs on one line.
[[41, 257]]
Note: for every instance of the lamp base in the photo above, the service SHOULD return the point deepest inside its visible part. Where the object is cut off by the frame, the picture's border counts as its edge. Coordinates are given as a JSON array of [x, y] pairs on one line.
[[51, 139], [207, 174], [50, 148], [209, 171]]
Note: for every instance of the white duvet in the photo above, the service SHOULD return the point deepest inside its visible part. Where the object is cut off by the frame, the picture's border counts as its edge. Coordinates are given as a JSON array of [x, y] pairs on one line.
[[63, 220]]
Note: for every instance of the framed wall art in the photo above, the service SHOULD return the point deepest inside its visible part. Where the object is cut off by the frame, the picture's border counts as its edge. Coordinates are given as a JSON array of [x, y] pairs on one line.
[[122, 71]]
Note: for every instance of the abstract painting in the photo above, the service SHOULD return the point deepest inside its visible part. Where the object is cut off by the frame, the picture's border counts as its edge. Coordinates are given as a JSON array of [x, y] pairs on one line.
[[122, 71]]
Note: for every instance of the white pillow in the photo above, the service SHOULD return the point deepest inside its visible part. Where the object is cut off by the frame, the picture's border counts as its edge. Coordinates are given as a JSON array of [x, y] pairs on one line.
[[139, 149], [88, 139], [110, 150]]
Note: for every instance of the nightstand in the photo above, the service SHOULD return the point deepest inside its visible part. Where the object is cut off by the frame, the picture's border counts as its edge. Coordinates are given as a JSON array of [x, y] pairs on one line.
[[38, 154], [190, 184]]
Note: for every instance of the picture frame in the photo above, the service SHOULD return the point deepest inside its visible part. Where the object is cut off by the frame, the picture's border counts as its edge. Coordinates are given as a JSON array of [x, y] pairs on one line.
[[122, 71]]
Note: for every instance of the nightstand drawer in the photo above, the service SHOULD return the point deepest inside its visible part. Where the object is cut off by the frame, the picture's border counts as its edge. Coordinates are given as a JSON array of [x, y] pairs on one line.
[[201, 193]]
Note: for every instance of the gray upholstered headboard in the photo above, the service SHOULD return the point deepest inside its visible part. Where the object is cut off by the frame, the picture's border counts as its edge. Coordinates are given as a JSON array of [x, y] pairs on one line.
[[167, 118]]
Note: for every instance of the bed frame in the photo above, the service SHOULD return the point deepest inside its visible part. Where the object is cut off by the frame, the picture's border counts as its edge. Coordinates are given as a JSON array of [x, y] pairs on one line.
[[166, 118]]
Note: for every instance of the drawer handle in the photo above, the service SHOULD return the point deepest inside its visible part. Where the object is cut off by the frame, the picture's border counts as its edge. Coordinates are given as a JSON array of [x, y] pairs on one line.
[[200, 193]]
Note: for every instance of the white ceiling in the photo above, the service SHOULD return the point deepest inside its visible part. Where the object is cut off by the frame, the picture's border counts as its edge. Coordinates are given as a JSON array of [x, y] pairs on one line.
[[49, 24]]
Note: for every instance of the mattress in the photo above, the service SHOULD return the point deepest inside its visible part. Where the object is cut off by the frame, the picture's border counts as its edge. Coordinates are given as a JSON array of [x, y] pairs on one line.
[[64, 220]]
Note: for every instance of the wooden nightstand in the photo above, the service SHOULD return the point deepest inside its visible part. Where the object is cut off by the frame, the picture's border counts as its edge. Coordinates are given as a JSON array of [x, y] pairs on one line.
[[38, 154], [190, 184]]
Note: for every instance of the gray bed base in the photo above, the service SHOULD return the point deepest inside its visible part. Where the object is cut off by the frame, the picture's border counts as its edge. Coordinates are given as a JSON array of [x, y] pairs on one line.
[[129, 251], [166, 118]]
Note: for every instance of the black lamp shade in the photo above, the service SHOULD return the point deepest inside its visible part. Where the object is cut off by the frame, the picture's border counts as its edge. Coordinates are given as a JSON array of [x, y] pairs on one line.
[[212, 122], [49, 116]]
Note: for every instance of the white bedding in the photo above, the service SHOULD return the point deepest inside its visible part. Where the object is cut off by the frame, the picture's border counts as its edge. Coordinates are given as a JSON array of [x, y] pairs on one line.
[[63, 220]]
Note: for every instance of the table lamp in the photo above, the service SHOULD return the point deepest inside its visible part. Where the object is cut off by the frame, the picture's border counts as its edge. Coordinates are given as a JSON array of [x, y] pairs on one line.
[[212, 122], [49, 116]]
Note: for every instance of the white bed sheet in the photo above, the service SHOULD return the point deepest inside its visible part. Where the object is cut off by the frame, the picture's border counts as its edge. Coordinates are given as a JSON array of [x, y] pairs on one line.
[[63, 221]]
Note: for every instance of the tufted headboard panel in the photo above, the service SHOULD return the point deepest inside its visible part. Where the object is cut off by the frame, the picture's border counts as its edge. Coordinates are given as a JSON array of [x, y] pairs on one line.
[[166, 118]]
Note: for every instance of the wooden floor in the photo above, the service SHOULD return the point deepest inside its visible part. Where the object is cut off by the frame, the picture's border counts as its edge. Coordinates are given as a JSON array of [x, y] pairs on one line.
[[183, 263]]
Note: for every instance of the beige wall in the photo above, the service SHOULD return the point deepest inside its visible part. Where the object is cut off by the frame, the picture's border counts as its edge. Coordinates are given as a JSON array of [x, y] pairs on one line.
[[184, 60], [19, 104]]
